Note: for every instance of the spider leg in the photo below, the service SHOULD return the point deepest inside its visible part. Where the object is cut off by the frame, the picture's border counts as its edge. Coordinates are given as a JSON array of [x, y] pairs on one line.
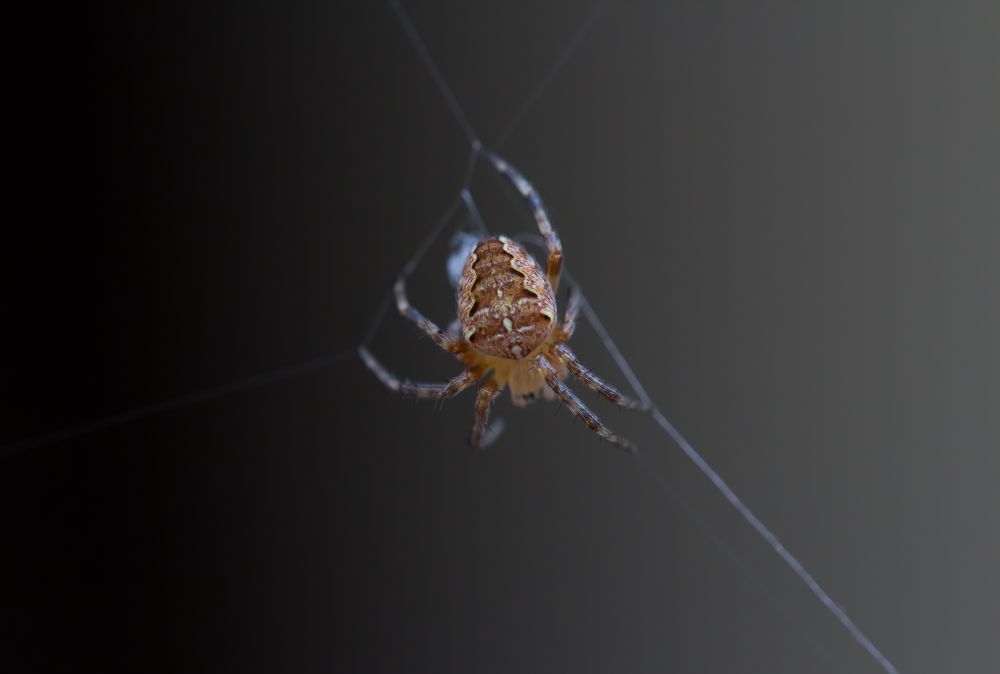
[[425, 324], [563, 332], [484, 398], [576, 406], [592, 381], [541, 217], [420, 390]]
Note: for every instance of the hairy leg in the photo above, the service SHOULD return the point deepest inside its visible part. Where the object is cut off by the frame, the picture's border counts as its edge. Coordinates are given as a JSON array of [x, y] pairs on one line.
[[576, 406], [484, 399], [592, 381], [541, 217], [565, 331], [425, 324], [420, 390]]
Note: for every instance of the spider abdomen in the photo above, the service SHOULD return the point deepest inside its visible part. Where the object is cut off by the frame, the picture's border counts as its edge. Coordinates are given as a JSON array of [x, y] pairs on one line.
[[505, 303]]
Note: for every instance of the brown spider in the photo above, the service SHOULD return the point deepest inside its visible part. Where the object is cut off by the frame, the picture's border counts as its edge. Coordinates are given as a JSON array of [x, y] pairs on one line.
[[507, 323]]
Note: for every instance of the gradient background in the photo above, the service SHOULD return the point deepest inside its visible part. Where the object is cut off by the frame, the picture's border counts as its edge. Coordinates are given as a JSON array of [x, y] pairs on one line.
[[786, 214]]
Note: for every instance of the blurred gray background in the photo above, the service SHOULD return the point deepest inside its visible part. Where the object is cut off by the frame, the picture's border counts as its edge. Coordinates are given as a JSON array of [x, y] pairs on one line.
[[785, 213]]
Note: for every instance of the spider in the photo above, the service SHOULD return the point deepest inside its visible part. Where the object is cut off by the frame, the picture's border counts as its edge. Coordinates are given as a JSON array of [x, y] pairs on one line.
[[507, 327]]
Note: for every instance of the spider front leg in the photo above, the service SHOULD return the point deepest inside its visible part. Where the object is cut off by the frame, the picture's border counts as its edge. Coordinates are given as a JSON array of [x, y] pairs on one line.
[[576, 406], [541, 217], [420, 390], [592, 381], [426, 325]]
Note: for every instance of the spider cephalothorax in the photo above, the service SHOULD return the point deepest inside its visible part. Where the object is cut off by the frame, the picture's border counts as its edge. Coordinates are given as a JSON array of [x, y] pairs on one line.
[[507, 327]]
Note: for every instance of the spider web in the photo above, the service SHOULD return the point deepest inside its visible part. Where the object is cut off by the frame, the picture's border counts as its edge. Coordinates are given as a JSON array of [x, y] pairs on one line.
[[463, 200]]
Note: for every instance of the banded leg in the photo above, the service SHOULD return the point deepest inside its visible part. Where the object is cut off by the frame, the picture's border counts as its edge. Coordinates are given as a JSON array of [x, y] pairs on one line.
[[420, 390], [541, 217], [568, 327], [484, 399], [425, 324], [577, 407], [592, 381]]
